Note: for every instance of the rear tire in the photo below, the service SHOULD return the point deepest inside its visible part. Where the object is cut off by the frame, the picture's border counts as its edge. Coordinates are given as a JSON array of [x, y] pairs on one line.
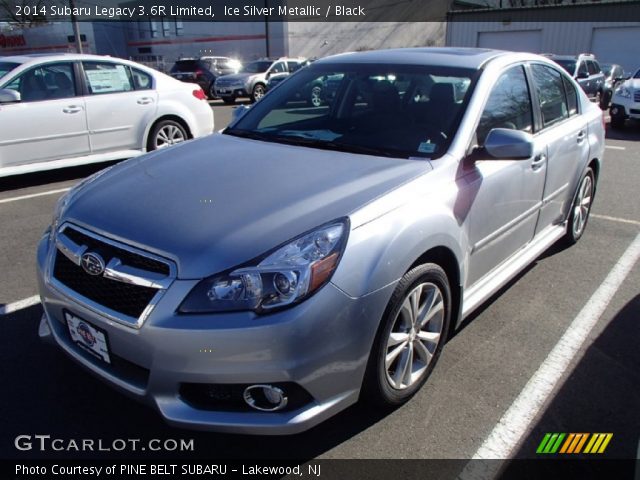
[[581, 208], [166, 133], [410, 337]]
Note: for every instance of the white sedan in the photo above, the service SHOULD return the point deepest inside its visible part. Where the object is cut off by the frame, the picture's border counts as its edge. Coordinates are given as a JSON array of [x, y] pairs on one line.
[[66, 109]]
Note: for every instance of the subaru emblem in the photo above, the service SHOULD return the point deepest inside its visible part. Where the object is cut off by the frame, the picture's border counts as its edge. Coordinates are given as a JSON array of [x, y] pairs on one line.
[[92, 263]]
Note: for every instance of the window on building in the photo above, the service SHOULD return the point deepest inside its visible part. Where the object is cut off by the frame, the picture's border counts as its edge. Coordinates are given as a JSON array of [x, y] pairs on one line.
[[166, 27], [179, 28], [153, 28]]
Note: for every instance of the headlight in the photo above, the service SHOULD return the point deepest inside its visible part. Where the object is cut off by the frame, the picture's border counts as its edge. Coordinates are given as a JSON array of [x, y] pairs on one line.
[[623, 91], [282, 278]]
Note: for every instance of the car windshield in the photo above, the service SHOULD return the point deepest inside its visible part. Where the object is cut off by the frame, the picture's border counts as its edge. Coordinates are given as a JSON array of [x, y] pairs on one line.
[[397, 111], [6, 67], [568, 65], [256, 67], [637, 75]]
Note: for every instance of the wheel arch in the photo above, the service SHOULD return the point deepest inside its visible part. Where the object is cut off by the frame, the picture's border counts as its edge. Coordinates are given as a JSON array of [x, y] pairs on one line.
[[447, 260]]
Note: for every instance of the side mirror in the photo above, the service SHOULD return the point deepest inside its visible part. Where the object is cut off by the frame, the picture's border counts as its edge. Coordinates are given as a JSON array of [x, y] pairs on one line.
[[582, 75], [9, 96], [238, 112], [504, 143]]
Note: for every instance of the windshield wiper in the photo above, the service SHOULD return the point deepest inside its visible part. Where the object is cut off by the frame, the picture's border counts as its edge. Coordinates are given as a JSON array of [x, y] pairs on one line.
[[315, 143], [337, 146], [237, 132]]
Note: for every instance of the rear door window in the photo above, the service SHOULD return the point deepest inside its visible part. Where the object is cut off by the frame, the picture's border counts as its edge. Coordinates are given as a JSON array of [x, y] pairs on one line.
[[103, 78], [551, 94]]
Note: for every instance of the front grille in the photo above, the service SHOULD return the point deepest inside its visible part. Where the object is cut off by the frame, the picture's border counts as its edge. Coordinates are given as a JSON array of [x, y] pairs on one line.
[[224, 83], [636, 96], [126, 292], [130, 300], [109, 251]]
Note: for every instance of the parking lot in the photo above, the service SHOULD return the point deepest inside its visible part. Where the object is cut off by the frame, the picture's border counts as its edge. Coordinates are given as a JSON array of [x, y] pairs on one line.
[[483, 369]]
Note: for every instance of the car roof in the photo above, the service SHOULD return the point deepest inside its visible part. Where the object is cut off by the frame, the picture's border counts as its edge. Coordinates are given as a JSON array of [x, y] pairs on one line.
[[39, 57], [473, 58], [588, 56]]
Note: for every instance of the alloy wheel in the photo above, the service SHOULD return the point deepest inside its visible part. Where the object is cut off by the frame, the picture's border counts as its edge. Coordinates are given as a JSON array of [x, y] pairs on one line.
[[415, 336]]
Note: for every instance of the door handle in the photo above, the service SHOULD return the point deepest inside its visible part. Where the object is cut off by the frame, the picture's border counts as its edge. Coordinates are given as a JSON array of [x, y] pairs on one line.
[[581, 136], [145, 100], [538, 161], [72, 109]]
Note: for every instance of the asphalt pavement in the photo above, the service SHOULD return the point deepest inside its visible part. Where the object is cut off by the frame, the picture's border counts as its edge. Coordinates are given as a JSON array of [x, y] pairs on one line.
[[483, 368]]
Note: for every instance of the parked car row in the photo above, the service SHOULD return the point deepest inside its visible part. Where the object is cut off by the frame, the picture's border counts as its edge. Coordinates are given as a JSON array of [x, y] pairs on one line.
[[68, 109]]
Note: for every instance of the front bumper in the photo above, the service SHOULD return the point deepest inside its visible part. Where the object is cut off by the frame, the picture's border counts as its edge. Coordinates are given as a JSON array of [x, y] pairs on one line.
[[321, 345], [227, 92], [625, 109]]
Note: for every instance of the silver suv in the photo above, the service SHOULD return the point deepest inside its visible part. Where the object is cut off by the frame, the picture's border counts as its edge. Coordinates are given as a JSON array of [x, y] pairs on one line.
[[587, 72], [324, 253], [252, 79]]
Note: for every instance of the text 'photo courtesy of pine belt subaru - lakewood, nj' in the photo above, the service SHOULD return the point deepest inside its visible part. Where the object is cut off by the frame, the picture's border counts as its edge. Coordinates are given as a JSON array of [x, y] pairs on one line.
[[62, 110], [264, 278]]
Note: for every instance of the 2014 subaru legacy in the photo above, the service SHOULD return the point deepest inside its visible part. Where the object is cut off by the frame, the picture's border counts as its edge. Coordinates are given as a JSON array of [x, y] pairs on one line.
[[262, 279]]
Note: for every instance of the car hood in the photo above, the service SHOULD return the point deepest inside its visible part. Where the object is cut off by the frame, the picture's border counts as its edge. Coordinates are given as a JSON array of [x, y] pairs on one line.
[[214, 203], [238, 76], [633, 83]]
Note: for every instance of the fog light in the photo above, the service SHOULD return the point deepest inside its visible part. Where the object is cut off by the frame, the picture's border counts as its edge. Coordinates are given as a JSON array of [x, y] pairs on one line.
[[265, 398]]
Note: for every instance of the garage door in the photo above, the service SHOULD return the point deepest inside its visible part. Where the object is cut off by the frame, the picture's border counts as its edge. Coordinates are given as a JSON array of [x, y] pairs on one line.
[[619, 45], [520, 41]]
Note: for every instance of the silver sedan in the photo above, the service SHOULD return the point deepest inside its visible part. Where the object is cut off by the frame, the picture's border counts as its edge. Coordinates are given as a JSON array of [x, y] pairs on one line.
[[262, 279]]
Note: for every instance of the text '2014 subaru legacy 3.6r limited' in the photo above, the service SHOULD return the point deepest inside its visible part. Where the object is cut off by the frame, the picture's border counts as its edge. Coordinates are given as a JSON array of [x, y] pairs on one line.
[[262, 279]]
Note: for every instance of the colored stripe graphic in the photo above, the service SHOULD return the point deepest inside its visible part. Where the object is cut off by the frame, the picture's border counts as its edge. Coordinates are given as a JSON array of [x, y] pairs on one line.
[[574, 443]]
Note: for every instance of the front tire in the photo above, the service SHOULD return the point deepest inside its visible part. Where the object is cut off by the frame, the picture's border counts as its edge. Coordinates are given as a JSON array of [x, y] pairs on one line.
[[258, 92], [617, 123], [410, 338], [212, 92], [581, 208], [315, 97]]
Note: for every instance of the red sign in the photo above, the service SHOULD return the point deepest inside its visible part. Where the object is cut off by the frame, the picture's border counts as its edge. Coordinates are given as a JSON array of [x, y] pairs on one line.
[[9, 41]]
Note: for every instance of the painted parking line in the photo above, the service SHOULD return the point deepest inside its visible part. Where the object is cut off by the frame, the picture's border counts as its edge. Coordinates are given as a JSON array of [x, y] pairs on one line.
[[615, 219], [615, 147], [19, 305], [516, 422], [34, 195]]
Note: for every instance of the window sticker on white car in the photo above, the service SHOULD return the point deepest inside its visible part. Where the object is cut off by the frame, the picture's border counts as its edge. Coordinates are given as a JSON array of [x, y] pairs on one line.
[[111, 80], [427, 147]]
